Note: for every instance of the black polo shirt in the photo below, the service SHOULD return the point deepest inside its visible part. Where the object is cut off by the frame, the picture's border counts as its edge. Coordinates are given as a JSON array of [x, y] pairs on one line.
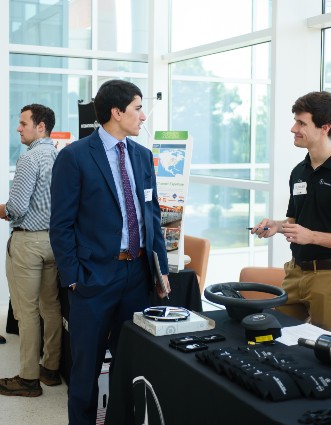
[[310, 205]]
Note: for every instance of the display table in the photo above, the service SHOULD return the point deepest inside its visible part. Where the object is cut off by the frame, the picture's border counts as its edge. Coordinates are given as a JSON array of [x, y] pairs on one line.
[[148, 372], [184, 293]]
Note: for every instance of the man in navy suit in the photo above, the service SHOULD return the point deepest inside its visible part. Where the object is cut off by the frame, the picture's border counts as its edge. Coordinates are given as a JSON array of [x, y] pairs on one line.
[[90, 237]]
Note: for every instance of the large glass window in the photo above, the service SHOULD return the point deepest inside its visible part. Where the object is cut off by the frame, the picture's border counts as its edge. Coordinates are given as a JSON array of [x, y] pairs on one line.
[[60, 92], [327, 6], [223, 101], [222, 214], [122, 25], [56, 23], [194, 24]]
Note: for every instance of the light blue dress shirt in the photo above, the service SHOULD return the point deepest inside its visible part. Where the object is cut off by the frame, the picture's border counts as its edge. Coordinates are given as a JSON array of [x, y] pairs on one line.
[[109, 143]]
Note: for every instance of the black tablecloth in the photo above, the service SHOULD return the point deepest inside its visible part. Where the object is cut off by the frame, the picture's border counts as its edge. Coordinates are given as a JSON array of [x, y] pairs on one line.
[[187, 391], [185, 291]]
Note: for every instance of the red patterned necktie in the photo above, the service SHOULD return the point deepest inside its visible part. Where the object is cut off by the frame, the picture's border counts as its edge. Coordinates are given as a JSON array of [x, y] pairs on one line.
[[134, 240]]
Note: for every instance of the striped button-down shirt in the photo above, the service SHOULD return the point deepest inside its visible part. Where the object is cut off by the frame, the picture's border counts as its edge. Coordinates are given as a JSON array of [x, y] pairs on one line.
[[29, 201]]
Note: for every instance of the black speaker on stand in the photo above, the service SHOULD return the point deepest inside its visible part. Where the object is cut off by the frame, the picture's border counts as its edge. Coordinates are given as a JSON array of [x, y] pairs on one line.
[[87, 118]]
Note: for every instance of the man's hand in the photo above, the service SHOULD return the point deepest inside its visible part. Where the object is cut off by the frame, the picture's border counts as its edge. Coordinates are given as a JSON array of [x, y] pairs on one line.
[[160, 292], [297, 234], [3, 214], [265, 229]]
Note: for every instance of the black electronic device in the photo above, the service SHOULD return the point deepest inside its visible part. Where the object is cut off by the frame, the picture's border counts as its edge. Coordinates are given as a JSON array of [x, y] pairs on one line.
[[186, 339], [261, 328], [322, 347], [212, 338], [237, 306], [190, 347]]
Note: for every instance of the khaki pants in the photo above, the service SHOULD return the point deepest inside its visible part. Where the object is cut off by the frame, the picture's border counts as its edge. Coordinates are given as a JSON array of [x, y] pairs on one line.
[[33, 287], [309, 295]]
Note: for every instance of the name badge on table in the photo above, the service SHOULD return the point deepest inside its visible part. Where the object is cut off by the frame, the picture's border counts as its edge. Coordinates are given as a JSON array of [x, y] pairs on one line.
[[300, 188], [148, 194]]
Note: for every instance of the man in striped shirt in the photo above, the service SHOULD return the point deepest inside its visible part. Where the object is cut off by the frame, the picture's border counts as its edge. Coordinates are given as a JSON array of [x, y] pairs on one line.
[[30, 264]]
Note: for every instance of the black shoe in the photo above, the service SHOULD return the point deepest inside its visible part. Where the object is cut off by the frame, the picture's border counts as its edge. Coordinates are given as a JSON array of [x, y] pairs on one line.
[[2, 339], [49, 377]]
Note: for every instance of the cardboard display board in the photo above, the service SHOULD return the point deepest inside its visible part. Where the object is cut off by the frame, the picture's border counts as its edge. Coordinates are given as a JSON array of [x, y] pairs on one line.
[[172, 151]]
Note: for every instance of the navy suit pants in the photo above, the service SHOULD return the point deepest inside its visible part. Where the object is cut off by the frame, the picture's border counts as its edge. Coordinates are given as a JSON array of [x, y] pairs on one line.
[[94, 325]]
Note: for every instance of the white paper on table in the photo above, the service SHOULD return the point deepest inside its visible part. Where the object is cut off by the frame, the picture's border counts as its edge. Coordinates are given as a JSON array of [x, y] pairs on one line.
[[291, 334]]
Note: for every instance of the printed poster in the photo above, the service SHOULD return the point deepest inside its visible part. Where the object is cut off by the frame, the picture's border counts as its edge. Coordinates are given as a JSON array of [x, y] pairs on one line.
[[61, 139], [172, 151]]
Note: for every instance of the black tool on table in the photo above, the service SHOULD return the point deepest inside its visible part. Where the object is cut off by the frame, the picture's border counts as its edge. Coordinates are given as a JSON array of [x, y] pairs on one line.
[[322, 347]]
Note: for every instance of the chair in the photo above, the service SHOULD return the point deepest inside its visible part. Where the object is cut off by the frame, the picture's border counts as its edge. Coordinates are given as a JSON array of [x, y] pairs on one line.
[[268, 275], [198, 250]]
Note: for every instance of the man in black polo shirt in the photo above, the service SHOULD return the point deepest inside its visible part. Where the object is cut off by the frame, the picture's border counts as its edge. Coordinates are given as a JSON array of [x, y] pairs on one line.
[[308, 223]]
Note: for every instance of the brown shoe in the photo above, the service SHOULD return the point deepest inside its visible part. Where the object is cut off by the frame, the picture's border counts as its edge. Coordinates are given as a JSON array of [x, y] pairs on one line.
[[49, 377], [21, 387]]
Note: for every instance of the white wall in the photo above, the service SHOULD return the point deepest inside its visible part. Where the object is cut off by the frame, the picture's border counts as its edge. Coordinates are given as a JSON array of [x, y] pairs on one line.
[[4, 138], [295, 65]]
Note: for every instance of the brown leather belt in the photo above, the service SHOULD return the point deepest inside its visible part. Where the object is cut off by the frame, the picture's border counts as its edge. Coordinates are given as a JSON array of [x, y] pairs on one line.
[[125, 255], [313, 264]]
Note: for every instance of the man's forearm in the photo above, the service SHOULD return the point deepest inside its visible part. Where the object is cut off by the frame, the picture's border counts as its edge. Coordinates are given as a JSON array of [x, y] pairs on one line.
[[321, 239]]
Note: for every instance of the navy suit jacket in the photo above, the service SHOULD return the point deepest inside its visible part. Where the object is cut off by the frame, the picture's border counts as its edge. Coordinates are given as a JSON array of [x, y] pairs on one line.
[[86, 220]]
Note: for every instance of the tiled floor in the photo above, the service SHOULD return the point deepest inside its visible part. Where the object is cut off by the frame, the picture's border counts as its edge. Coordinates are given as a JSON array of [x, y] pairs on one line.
[[50, 408]]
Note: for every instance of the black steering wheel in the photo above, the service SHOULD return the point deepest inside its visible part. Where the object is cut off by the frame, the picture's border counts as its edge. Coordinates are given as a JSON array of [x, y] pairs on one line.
[[236, 305]]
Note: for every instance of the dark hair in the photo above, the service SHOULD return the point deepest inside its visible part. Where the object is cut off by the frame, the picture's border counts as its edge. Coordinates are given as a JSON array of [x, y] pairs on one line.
[[114, 94], [318, 103], [41, 113]]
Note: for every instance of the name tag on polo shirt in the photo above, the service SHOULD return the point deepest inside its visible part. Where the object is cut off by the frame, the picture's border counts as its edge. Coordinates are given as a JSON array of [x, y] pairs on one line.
[[148, 194], [300, 188]]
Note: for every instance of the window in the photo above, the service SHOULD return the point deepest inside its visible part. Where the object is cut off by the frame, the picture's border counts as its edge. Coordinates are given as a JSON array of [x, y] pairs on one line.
[[223, 100], [194, 24], [60, 92], [56, 23], [327, 60], [122, 25]]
